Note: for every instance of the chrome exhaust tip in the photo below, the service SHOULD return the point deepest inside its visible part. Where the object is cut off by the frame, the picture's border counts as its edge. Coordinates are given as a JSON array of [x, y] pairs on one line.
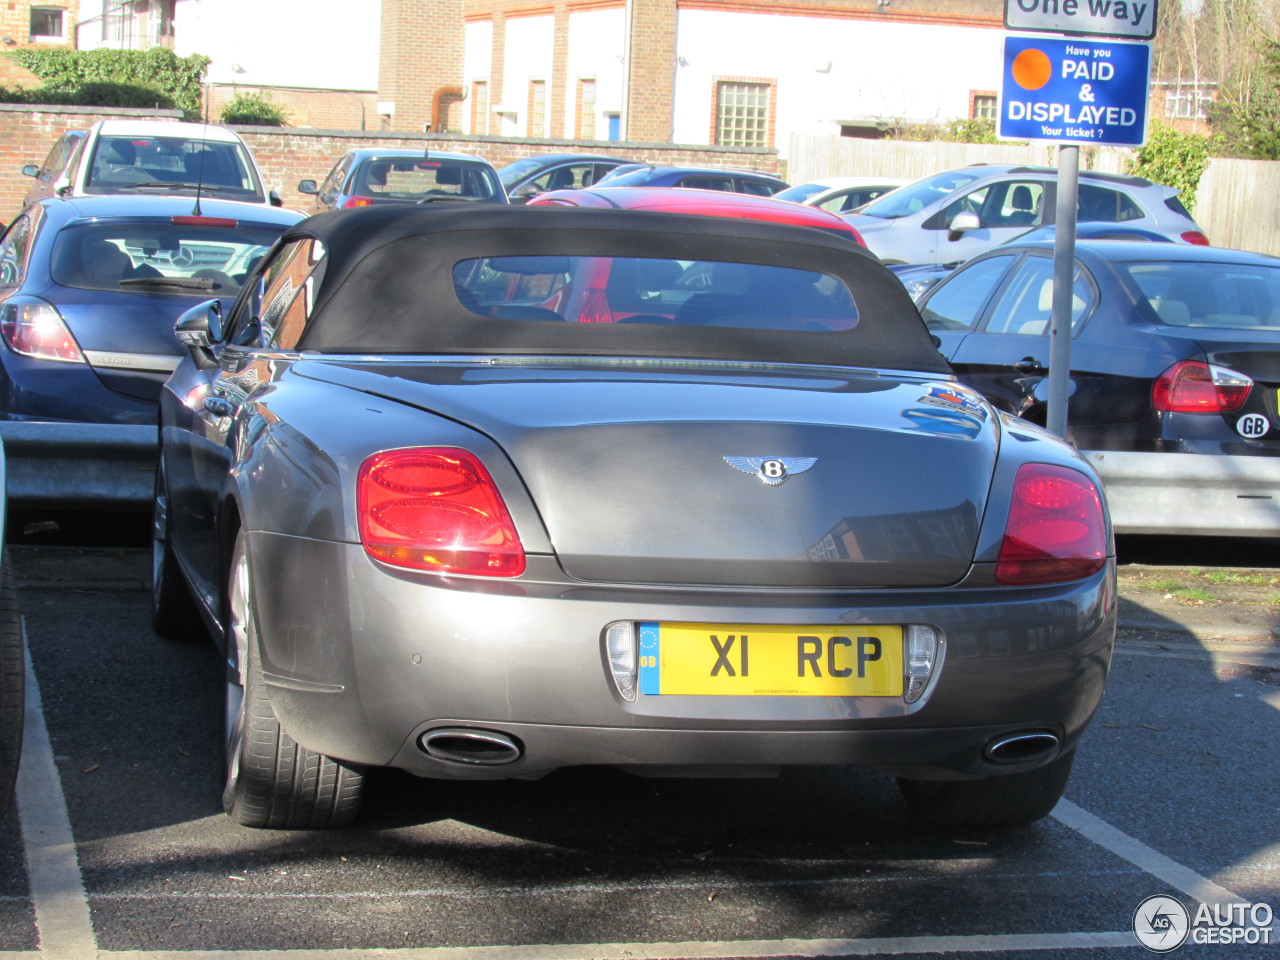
[[1021, 747], [476, 747]]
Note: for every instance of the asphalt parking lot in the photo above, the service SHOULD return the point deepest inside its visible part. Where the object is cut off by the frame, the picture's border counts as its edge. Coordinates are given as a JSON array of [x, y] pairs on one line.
[[117, 847]]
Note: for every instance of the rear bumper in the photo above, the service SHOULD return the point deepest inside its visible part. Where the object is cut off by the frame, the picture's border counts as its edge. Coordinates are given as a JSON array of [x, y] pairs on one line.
[[80, 465], [361, 661], [1183, 493], [952, 753]]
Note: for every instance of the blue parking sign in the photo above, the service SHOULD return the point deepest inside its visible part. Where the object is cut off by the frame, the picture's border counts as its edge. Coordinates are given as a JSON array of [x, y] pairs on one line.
[[1074, 90]]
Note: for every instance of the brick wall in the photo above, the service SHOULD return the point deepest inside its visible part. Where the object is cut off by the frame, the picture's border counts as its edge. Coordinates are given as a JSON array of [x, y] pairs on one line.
[[420, 64], [651, 69], [289, 154], [15, 23], [319, 109]]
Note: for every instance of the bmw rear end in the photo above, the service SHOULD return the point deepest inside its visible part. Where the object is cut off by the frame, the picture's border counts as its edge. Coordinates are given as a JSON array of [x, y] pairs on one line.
[[1205, 456]]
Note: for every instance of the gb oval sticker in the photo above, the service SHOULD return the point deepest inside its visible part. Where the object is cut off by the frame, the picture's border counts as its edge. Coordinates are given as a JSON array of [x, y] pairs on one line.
[[1252, 426]]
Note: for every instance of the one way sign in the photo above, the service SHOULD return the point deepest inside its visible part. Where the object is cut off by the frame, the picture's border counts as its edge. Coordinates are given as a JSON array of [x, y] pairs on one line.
[[1097, 18]]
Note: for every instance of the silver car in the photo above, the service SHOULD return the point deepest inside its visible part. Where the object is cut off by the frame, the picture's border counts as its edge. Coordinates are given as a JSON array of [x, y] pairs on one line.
[[952, 216], [484, 492]]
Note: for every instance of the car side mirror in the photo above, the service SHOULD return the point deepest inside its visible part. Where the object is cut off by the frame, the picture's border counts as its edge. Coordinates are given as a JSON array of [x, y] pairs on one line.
[[962, 223], [198, 329], [308, 187], [31, 170], [274, 199]]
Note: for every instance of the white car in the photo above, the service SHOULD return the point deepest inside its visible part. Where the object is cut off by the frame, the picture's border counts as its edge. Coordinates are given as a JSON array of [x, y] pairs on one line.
[[155, 158], [840, 194], [957, 214]]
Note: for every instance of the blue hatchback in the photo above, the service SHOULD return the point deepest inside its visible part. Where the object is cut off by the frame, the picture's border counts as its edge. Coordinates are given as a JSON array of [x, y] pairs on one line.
[[90, 288]]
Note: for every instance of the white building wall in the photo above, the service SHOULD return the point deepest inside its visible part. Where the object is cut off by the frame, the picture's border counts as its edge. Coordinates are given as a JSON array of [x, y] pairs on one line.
[[830, 70], [323, 44], [477, 65], [596, 41], [527, 55]]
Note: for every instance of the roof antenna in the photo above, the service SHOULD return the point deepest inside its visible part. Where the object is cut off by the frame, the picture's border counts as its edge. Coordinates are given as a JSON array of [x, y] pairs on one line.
[[204, 133]]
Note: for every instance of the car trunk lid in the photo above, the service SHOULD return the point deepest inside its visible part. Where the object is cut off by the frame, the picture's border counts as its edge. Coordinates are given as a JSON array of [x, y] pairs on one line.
[[775, 478]]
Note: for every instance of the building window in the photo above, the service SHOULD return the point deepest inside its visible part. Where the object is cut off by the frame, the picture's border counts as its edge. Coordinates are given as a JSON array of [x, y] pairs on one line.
[[586, 126], [983, 106], [537, 126], [1187, 101], [480, 107], [742, 113], [48, 24]]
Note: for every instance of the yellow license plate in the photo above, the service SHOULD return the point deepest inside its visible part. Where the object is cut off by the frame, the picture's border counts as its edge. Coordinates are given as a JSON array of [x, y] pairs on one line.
[[720, 659]]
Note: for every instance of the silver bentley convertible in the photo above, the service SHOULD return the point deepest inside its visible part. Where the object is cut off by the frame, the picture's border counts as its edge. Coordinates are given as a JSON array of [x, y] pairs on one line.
[[481, 493]]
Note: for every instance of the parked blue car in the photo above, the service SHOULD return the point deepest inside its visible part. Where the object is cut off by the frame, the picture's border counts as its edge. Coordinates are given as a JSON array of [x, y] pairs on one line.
[[90, 288]]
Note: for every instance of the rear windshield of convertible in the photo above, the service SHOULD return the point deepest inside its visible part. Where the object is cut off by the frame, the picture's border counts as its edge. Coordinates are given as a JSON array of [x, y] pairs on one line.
[[700, 293], [496, 280]]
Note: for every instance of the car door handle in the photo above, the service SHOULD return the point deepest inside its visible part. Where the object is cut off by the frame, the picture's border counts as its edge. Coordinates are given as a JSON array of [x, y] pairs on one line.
[[218, 406], [1028, 365]]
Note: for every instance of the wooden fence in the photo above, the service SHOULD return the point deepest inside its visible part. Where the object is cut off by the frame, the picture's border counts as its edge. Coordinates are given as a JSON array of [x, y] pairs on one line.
[[1237, 201]]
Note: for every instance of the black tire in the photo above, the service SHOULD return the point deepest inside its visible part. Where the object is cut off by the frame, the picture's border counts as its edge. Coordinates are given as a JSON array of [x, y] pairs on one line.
[[1013, 800], [173, 610], [272, 782], [12, 687]]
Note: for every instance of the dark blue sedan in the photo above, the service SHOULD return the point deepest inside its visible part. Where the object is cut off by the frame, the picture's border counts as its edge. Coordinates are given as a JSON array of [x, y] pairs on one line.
[[1175, 371], [89, 291], [920, 277]]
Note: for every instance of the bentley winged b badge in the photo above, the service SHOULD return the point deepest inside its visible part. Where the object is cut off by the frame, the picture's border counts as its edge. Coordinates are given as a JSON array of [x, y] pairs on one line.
[[772, 470]]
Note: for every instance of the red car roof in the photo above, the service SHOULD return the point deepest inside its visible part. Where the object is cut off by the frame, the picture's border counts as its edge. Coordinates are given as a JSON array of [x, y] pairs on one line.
[[713, 203]]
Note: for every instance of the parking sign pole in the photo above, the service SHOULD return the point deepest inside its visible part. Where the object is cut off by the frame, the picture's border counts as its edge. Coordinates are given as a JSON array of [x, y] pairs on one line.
[[1064, 262], [1079, 87]]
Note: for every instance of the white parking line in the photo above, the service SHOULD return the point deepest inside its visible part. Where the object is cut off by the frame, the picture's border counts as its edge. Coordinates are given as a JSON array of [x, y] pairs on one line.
[[1181, 878], [53, 871], [65, 930], [695, 950]]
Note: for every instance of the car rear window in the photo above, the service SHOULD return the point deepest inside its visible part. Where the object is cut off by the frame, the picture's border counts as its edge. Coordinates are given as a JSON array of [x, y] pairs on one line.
[[1233, 296], [161, 256], [167, 165], [699, 293], [410, 179]]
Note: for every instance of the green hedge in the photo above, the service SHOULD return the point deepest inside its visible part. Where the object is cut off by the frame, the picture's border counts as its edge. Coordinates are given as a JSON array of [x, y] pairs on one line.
[[113, 78], [254, 110], [1175, 159]]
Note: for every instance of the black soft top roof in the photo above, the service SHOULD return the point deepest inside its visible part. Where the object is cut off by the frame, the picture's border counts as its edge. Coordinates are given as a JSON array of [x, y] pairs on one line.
[[388, 286]]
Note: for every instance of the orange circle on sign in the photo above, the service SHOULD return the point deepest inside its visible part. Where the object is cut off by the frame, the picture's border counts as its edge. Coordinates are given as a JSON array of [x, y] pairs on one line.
[[1031, 69]]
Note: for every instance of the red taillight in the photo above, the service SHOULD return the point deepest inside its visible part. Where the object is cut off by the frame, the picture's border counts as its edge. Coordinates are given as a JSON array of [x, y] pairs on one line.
[[1190, 386], [595, 307], [436, 508], [1056, 529], [1196, 237], [358, 202], [34, 328], [194, 221]]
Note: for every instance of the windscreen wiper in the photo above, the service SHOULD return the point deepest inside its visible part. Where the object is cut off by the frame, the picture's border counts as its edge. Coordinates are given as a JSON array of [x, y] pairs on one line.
[[186, 283], [170, 185], [450, 198]]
